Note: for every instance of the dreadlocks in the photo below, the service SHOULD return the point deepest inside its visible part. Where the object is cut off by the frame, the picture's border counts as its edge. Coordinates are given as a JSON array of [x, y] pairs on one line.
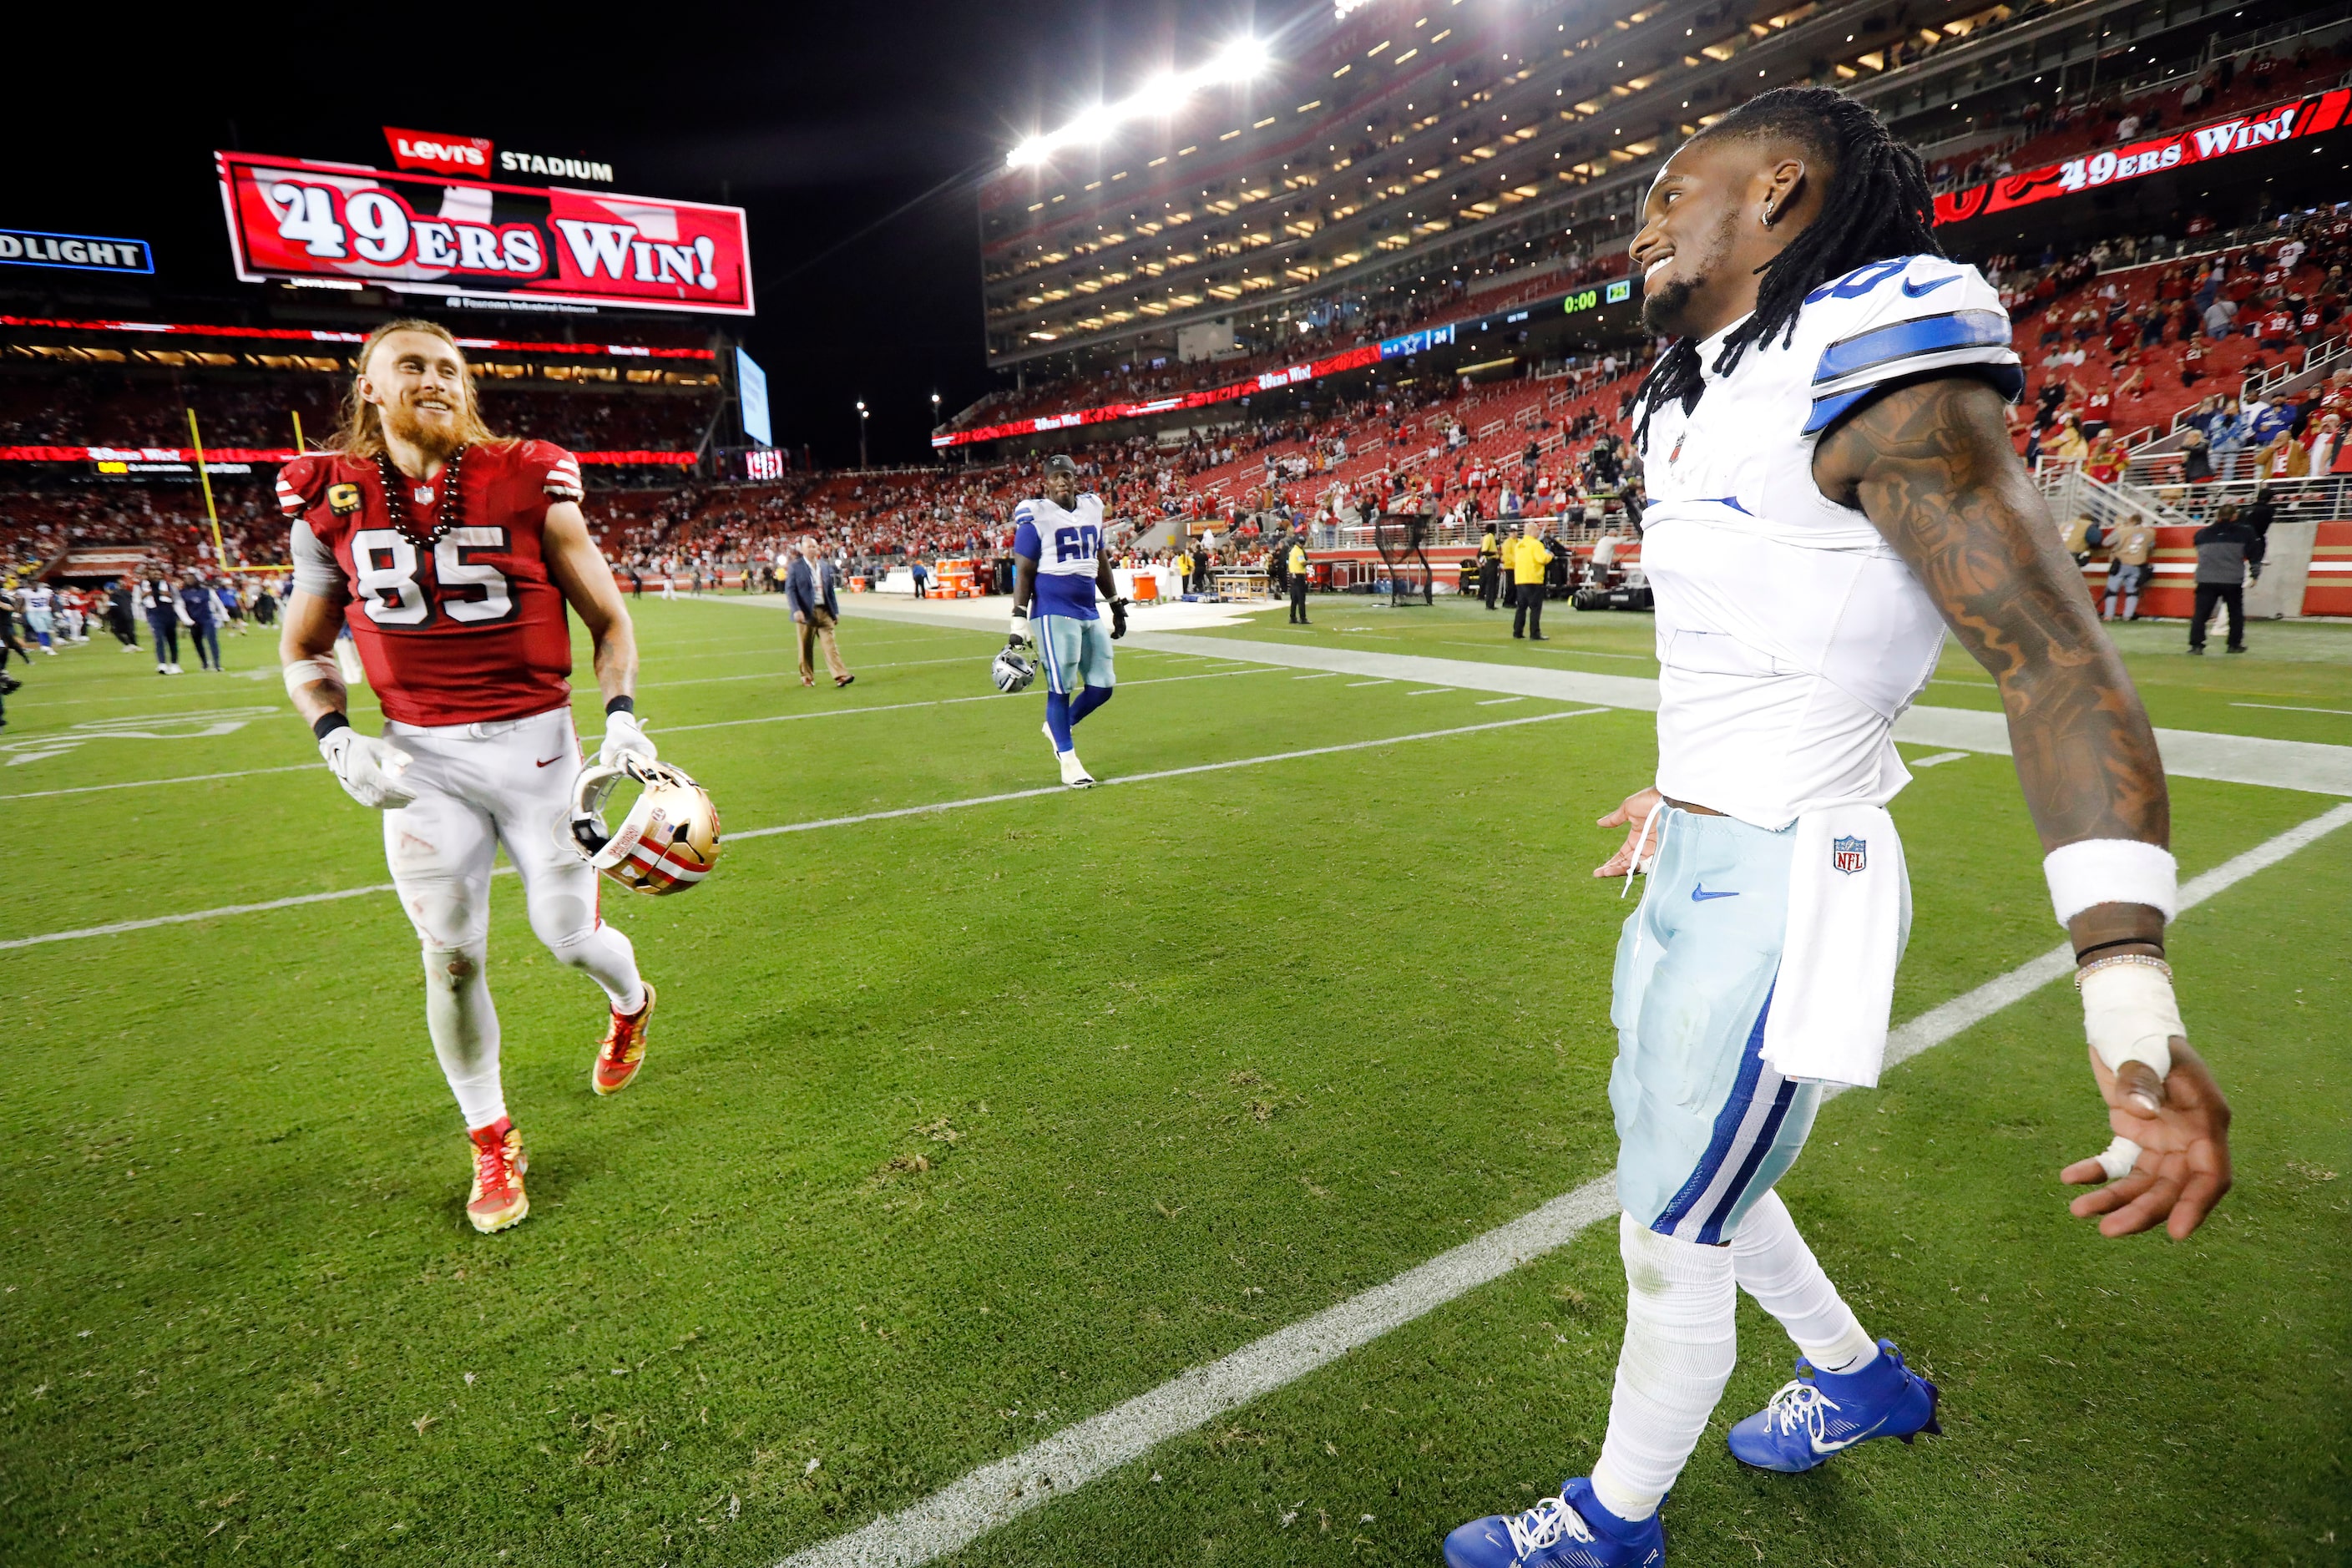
[[1875, 205]]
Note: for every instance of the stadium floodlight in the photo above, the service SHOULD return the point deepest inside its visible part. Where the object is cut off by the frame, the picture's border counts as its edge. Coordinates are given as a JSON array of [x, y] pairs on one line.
[[1243, 59]]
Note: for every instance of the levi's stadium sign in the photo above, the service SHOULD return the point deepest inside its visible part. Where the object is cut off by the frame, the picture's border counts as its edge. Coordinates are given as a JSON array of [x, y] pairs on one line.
[[437, 234], [2312, 116]]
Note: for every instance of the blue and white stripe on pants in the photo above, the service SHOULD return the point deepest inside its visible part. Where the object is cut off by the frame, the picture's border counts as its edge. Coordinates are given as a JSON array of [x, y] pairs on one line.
[[1704, 1126]]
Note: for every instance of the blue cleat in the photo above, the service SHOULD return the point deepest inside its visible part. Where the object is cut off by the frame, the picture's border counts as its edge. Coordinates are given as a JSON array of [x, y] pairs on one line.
[[1570, 1531], [1821, 1414]]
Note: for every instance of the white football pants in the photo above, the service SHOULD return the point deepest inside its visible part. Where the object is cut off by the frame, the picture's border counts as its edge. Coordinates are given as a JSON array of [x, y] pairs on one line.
[[479, 786]]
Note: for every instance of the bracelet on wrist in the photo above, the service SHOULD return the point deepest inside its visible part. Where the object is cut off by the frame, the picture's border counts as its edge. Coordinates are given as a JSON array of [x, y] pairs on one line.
[[2082, 955], [326, 724], [620, 705], [2117, 960]]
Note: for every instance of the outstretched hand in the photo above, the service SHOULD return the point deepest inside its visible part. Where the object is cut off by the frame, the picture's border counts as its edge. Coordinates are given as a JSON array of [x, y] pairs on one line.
[[2183, 1166], [1633, 815]]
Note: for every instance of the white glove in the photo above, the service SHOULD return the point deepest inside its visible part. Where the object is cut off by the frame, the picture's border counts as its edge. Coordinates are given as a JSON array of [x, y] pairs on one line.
[[624, 737], [368, 767], [1020, 629]]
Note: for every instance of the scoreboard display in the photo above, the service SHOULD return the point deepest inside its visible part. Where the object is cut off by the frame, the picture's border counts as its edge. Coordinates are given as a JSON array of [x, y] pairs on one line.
[[437, 233]]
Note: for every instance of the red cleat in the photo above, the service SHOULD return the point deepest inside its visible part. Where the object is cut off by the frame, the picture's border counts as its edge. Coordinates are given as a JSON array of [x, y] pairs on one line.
[[623, 1049], [498, 1164]]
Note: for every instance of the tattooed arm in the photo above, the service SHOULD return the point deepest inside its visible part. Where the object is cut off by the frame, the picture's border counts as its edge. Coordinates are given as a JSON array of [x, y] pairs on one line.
[[1932, 466]]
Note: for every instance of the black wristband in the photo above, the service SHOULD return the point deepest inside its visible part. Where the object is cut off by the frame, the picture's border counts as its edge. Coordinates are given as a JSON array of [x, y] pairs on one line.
[[620, 705], [326, 724], [2082, 952]]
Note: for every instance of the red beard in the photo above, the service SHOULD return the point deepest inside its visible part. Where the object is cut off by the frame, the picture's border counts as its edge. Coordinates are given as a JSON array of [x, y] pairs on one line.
[[437, 441]]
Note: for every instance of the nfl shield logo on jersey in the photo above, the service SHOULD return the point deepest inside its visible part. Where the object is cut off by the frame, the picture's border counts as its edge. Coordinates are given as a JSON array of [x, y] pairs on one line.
[[1849, 855]]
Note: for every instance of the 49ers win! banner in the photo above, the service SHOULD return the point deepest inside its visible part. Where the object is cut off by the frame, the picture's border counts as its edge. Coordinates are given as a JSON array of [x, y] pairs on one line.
[[2312, 116], [291, 218]]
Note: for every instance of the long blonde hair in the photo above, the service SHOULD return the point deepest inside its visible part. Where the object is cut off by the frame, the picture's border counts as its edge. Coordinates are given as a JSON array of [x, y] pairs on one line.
[[360, 435]]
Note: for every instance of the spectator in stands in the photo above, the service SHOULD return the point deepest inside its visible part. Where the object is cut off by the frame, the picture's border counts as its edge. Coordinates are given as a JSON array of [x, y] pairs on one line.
[[2066, 444], [2220, 580], [2326, 444], [2218, 316], [2196, 462], [2281, 457], [809, 589]]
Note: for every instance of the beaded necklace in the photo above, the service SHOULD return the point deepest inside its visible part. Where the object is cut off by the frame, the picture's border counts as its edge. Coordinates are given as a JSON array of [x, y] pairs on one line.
[[396, 498]]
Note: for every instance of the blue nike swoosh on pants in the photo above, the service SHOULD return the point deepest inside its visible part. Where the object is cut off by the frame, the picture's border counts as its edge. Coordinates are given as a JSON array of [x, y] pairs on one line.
[[1699, 894]]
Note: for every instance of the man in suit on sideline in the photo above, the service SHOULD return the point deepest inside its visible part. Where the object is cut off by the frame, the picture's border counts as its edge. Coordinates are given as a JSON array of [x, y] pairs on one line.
[[809, 590]]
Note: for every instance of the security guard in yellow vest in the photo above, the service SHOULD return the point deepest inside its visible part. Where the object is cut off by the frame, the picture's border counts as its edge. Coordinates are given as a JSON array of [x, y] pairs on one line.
[[1490, 568], [1298, 570], [1527, 558]]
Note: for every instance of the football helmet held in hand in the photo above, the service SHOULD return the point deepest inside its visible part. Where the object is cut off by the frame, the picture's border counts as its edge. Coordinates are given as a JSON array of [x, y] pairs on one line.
[[1011, 672], [667, 843]]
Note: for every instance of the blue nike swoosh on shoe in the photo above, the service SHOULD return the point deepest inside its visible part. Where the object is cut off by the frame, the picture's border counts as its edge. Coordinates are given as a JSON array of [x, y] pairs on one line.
[[1699, 894], [1924, 289]]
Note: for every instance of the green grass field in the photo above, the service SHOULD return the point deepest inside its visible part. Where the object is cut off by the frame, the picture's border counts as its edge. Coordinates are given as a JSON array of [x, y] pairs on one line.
[[961, 1126]]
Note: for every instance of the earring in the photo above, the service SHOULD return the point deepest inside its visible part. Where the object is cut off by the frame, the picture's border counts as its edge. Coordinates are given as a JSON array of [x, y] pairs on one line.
[[1768, 216]]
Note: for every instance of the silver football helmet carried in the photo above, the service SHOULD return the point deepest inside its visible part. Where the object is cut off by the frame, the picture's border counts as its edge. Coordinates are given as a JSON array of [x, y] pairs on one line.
[[667, 844], [1012, 672]]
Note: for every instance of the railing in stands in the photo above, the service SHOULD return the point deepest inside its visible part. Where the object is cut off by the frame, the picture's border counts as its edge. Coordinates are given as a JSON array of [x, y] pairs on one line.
[[2070, 494]]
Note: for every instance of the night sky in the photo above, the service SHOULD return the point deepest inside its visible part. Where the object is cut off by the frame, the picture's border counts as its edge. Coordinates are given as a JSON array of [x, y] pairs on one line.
[[819, 120]]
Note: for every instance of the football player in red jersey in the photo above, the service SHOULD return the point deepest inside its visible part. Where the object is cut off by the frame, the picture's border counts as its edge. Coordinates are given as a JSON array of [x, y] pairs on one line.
[[450, 554]]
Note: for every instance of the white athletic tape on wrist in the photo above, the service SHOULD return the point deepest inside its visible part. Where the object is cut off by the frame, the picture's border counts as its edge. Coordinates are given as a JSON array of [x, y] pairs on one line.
[[2111, 871], [2117, 1159], [2129, 1015], [304, 672]]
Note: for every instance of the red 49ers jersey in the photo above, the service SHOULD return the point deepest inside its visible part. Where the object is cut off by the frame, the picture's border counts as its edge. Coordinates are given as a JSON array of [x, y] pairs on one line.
[[447, 595]]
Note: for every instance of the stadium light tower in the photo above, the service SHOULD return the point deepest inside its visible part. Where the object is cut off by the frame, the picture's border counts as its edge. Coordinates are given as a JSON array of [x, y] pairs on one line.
[[861, 435], [1243, 59]]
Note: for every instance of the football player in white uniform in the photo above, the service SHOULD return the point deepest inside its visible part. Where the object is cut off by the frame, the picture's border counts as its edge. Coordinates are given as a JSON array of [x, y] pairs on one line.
[[1059, 569], [1832, 485]]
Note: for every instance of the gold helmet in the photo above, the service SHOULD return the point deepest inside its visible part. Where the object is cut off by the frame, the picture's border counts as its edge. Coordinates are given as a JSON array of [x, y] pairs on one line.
[[667, 843]]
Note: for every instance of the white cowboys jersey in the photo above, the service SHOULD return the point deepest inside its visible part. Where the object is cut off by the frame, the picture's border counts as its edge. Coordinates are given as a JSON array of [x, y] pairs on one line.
[[1063, 545], [1790, 633]]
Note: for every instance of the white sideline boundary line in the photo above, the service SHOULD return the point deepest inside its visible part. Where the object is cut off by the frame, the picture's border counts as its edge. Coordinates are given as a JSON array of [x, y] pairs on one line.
[[119, 927], [653, 729], [148, 784], [995, 1494]]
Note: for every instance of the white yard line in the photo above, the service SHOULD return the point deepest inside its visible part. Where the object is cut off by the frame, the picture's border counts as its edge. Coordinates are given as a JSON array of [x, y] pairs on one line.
[[1937, 760], [1499, 701], [925, 810], [156, 783], [2188, 753], [1577, 652], [651, 729], [995, 1494], [1430, 691], [2291, 708], [1353, 684], [1327, 675]]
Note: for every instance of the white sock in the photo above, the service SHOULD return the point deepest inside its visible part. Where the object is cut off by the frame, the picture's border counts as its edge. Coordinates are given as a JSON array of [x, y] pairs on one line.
[[1678, 1354], [464, 1028], [1774, 1265], [605, 955]]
